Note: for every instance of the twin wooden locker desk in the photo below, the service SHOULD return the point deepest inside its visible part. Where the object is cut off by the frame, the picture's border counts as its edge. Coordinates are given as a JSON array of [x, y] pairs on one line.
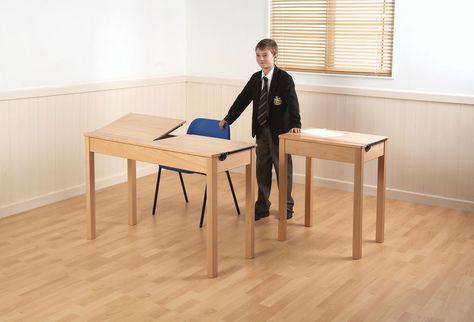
[[145, 138]]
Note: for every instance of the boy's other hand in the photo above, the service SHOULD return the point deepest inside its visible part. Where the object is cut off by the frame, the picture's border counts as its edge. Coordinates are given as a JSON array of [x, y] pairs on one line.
[[222, 123], [295, 130]]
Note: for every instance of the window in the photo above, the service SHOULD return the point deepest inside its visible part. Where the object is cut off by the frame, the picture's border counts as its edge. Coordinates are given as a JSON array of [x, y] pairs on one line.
[[334, 36]]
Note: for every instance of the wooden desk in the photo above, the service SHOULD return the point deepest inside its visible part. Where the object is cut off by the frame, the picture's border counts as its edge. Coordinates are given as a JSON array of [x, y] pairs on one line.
[[132, 137], [349, 147]]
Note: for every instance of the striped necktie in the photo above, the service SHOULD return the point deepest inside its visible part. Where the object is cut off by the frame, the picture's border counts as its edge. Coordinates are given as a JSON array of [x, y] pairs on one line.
[[262, 112]]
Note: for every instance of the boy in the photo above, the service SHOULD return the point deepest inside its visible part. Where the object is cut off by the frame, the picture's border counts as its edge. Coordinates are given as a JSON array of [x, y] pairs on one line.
[[275, 111]]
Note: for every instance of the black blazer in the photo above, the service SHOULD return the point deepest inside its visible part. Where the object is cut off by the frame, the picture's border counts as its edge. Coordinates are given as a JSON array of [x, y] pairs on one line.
[[283, 107]]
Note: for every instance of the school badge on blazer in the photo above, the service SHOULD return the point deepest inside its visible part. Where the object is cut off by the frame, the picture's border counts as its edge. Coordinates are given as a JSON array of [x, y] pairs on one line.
[[277, 101]]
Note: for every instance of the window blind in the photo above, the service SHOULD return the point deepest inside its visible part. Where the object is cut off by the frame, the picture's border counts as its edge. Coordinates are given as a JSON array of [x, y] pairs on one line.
[[334, 36]]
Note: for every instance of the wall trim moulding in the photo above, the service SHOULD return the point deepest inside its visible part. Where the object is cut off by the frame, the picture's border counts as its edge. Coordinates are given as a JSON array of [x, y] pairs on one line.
[[371, 190], [86, 88], [338, 90], [409, 196], [60, 195], [353, 91]]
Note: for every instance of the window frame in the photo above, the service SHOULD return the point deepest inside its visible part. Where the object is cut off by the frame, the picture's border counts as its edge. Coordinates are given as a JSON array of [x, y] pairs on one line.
[[343, 73]]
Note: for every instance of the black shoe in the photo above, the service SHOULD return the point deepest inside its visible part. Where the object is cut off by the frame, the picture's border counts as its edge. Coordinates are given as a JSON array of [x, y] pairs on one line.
[[289, 215], [259, 215]]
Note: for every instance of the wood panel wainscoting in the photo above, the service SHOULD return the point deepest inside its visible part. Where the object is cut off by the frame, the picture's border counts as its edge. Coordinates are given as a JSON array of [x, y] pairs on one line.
[[41, 135], [41, 129], [431, 150], [424, 271]]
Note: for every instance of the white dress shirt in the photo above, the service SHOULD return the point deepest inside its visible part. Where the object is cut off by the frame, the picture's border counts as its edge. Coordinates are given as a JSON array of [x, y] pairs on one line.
[[269, 77]]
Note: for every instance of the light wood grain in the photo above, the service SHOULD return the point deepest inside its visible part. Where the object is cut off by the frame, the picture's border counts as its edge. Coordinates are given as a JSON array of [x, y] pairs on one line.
[[211, 212], [343, 138], [380, 222], [200, 145], [138, 126], [283, 190], [155, 271], [250, 183], [148, 153], [132, 191], [90, 193], [358, 204], [308, 195], [321, 150]]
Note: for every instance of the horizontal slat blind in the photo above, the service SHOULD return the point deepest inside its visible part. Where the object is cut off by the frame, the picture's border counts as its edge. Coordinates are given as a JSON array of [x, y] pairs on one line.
[[334, 36]]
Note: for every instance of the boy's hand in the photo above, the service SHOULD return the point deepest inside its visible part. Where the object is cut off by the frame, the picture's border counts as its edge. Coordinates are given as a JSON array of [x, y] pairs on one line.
[[222, 123], [295, 130]]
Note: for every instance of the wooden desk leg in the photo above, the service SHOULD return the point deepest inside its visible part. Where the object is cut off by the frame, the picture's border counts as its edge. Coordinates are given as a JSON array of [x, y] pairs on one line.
[[250, 182], [90, 192], [358, 205], [283, 186], [132, 192], [308, 197], [211, 206], [380, 221]]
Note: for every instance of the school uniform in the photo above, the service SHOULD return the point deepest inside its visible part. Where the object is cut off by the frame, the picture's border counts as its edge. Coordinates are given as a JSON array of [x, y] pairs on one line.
[[282, 114]]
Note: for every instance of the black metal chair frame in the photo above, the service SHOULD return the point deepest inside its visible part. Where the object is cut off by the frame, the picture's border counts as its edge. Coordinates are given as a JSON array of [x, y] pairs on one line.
[[203, 210]]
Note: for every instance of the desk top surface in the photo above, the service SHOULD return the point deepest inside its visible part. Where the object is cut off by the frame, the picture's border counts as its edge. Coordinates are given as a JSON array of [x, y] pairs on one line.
[[341, 138], [143, 130], [138, 126], [201, 145]]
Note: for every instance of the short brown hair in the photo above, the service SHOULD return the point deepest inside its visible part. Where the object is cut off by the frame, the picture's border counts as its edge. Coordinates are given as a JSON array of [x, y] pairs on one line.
[[269, 44]]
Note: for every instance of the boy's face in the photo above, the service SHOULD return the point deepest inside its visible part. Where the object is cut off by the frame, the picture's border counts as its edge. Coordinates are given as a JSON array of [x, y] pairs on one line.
[[265, 59]]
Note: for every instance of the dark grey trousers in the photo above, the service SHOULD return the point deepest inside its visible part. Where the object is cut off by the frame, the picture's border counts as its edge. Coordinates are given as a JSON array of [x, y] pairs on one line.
[[267, 156]]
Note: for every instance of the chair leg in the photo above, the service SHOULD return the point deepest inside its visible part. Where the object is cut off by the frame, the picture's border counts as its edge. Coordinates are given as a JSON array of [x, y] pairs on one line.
[[233, 192], [156, 190], [203, 210], [233, 195], [182, 186]]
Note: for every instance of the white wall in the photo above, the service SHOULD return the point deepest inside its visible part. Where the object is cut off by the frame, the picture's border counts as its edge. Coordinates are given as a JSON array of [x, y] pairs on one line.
[[57, 42], [221, 36], [433, 46]]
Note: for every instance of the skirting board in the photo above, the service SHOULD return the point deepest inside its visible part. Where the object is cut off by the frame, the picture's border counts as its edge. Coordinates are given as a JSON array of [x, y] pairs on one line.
[[432, 200], [56, 196], [415, 197], [438, 201]]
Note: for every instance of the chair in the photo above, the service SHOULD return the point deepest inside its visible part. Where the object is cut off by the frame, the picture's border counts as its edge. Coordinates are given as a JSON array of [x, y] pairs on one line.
[[204, 127]]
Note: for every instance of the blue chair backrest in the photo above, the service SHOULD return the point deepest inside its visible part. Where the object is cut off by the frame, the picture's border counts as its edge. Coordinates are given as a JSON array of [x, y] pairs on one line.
[[208, 127]]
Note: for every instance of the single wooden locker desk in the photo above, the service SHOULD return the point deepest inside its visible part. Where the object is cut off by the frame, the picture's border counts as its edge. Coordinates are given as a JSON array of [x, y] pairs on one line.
[[134, 137], [349, 147]]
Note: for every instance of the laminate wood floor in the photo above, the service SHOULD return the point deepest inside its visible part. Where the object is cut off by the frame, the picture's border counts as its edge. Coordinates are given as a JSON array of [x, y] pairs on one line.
[[156, 270]]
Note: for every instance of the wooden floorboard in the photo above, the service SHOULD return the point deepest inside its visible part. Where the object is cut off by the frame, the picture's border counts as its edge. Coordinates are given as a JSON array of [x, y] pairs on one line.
[[156, 270]]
